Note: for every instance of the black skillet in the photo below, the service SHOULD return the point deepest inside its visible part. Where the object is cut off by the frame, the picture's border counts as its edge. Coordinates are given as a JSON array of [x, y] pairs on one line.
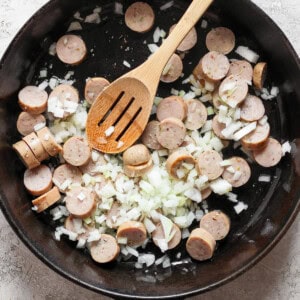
[[272, 206]]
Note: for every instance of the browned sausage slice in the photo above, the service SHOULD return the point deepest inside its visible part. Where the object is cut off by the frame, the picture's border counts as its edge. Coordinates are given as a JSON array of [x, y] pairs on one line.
[[149, 136], [38, 181], [233, 90], [196, 114], [241, 69], [252, 109], [136, 155], [80, 202], [158, 234], [175, 161], [48, 141], [63, 93], [36, 146], [172, 70], [259, 75], [256, 139], [47, 200], [242, 172], [71, 49], [137, 171], [200, 244], [209, 164], [76, 151], [33, 100], [139, 17], [270, 155], [171, 133], [173, 106], [189, 41], [220, 39], [105, 250], [26, 155], [26, 122], [66, 172], [216, 223], [134, 231], [93, 87], [214, 66], [218, 127]]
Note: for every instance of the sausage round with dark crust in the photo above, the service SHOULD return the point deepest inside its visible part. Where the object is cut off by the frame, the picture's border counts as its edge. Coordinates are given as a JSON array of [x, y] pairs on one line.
[[259, 75], [256, 139], [36, 146], [46, 200], [48, 141]]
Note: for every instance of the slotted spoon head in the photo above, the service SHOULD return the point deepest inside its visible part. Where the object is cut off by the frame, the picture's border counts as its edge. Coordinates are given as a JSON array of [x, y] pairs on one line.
[[123, 108]]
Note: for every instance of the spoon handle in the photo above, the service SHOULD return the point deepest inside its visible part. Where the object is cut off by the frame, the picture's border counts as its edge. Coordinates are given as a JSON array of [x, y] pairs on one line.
[[153, 67]]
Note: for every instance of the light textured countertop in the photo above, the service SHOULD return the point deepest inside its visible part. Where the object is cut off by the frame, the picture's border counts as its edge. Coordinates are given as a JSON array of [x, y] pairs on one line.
[[24, 277]]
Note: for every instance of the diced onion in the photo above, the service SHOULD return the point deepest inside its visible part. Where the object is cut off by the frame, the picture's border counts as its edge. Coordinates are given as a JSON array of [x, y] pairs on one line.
[[247, 53]]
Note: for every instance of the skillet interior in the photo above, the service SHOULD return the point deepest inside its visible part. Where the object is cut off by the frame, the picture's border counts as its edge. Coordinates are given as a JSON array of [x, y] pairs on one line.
[[271, 206]]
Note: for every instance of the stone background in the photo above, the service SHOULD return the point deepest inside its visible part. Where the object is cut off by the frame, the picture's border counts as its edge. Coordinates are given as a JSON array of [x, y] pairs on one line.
[[24, 277]]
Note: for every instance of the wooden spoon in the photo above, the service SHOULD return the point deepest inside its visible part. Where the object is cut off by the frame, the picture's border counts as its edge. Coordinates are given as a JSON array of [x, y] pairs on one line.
[[120, 114]]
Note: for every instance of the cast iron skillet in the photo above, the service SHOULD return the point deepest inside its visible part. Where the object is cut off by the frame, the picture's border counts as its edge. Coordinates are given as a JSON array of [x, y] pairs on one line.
[[272, 207]]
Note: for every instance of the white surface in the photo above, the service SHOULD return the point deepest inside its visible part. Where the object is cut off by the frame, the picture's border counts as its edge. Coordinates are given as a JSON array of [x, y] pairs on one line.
[[24, 277]]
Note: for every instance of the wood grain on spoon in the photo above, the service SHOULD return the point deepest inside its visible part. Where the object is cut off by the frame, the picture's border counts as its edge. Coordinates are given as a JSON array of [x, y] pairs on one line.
[[120, 114]]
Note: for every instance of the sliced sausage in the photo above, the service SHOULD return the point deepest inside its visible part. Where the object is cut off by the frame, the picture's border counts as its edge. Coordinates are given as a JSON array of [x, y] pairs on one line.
[[175, 161], [149, 136], [93, 87], [233, 90], [216, 223], [173, 106], [46, 200], [206, 193], [76, 151], [26, 122], [196, 114], [137, 171], [242, 172], [171, 133], [136, 155], [200, 244], [241, 69], [33, 100], [259, 75], [159, 234], [189, 41], [71, 49], [209, 164], [62, 95], [270, 155], [105, 250], [112, 215], [69, 225], [217, 101], [252, 109], [38, 181], [80, 202], [135, 233], [139, 17], [48, 141], [26, 155], [214, 66], [172, 70], [256, 139], [36, 146], [66, 172], [220, 39], [218, 127]]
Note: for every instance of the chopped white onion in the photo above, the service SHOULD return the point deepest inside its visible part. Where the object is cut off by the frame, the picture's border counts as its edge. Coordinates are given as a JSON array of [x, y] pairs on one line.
[[126, 64], [247, 53], [167, 5], [220, 186], [264, 178], [286, 148]]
